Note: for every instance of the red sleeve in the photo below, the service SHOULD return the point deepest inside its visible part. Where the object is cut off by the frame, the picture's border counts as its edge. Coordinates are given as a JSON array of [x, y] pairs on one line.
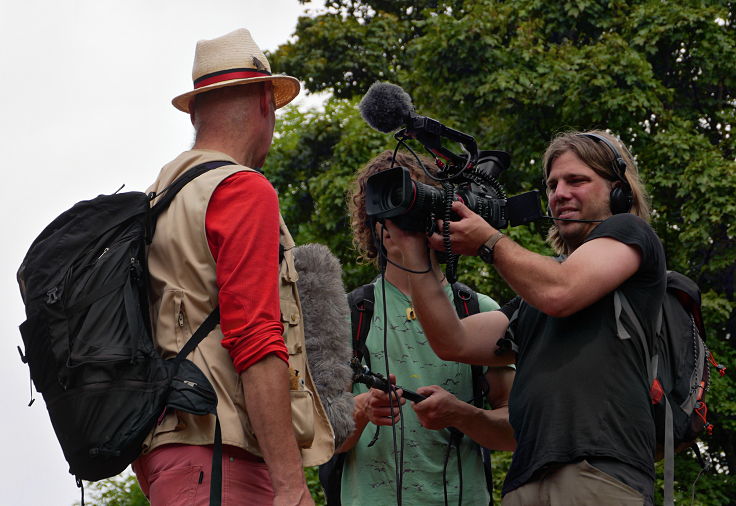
[[242, 224]]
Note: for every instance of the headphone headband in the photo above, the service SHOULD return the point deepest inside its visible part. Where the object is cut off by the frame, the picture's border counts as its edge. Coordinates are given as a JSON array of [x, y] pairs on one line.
[[621, 198], [619, 163]]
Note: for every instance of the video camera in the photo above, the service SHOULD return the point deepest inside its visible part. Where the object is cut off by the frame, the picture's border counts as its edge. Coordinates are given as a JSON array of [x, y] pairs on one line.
[[470, 177]]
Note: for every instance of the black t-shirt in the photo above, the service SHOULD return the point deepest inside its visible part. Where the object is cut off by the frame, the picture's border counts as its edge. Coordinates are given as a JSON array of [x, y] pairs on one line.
[[580, 390]]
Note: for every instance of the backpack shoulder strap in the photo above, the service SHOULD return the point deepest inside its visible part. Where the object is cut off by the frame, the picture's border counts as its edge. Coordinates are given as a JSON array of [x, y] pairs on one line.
[[466, 304], [207, 326], [622, 306], [466, 300], [166, 195], [361, 302]]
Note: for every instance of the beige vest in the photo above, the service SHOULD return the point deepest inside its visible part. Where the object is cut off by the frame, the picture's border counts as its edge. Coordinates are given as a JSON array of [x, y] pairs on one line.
[[184, 292]]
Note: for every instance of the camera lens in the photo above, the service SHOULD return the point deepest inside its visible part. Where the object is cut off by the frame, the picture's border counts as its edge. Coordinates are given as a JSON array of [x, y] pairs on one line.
[[395, 196]]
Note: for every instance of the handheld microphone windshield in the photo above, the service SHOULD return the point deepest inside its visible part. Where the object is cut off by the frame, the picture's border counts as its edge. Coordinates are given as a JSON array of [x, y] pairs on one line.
[[386, 107]]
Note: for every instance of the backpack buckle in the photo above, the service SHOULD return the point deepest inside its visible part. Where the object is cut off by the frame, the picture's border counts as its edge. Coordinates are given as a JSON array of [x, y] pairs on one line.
[[52, 296], [364, 305], [464, 295]]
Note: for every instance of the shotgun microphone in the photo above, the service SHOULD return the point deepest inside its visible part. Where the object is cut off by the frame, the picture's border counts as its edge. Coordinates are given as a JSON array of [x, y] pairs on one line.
[[387, 108]]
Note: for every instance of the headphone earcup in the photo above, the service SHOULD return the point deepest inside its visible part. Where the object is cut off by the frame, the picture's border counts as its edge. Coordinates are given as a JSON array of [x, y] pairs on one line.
[[620, 200]]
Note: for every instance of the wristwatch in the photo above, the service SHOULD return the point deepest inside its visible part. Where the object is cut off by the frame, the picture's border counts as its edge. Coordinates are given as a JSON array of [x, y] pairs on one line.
[[485, 252]]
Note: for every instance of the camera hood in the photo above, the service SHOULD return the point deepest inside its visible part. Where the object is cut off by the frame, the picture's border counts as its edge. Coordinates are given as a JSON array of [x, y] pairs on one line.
[[389, 193]]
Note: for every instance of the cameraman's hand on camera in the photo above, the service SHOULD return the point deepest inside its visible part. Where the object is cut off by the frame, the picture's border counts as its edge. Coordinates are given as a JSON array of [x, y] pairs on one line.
[[439, 410], [374, 406], [467, 235]]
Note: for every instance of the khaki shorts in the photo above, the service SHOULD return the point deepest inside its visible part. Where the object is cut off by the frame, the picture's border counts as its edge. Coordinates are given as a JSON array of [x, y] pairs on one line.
[[578, 483]]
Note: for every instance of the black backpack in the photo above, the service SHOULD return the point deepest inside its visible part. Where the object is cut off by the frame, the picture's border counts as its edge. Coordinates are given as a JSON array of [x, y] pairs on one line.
[[361, 302], [679, 371], [87, 335]]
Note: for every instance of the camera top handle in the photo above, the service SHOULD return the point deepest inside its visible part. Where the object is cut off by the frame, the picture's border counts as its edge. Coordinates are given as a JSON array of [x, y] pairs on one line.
[[430, 132]]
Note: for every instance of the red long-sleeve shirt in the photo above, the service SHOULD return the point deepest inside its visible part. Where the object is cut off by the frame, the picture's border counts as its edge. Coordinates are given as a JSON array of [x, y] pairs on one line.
[[242, 225]]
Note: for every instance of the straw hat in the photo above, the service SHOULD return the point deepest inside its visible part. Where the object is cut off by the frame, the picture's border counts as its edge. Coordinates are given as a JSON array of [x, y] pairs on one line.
[[231, 60]]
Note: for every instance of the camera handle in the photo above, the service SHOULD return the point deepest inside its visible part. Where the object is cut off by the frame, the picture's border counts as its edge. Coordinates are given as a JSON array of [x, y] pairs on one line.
[[361, 374], [429, 132]]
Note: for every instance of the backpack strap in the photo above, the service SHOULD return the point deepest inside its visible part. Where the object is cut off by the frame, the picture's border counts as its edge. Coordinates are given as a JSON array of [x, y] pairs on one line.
[[621, 306], [361, 302], [466, 300], [207, 326], [216, 473], [466, 304], [166, 195]]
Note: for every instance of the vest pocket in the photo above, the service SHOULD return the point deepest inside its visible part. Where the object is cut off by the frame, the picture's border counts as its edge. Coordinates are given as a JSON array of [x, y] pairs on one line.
[[290, 317], [302, 401], [182, 331], [302, 416]]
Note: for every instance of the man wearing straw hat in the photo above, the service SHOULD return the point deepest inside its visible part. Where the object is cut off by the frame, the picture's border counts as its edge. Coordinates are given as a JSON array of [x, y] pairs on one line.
[[223, 242]]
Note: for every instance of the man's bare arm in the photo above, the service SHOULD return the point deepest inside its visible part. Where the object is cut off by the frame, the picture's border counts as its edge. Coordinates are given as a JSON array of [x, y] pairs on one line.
[[266, 389], [487, 427], [594, 269], [473, 339]]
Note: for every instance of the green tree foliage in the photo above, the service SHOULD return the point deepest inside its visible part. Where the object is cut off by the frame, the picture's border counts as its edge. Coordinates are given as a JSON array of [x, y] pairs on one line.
[[662, 75], [311, 164], [312, 475], [121, 490]]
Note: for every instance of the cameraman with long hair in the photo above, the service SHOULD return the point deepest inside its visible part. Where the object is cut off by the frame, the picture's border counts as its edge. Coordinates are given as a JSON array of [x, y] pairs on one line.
[[369, 470], [580, 404]]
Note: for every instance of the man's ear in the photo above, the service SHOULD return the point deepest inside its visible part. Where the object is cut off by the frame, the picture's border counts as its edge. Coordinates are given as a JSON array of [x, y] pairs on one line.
[[192, 112], [266, 101]]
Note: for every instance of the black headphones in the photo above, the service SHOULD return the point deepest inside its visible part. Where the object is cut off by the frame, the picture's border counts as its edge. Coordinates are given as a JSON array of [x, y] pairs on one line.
[[621, 198]]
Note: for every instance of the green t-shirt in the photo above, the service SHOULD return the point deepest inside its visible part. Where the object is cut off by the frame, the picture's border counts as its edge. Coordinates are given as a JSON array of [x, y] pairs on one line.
[[369, 475]]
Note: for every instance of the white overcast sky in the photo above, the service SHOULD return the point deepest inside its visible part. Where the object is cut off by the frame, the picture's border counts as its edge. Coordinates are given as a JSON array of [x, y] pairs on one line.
[[85, 95]]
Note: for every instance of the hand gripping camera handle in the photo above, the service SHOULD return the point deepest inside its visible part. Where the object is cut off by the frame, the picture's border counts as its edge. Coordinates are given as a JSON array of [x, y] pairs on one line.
[[374, 380]]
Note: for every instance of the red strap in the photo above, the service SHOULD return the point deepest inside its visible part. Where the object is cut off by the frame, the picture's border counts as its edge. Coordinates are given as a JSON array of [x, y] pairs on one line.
[[702, 411], [356, 338], [720, 368], [656, 392], [228, 76]]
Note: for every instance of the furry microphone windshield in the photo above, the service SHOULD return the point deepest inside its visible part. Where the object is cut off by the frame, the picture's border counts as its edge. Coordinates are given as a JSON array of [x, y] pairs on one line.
[[327, 333], [386, 107]]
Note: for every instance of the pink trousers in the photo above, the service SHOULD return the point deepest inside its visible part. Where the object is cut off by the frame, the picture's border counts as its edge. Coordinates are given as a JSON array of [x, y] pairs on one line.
[[179, 475]]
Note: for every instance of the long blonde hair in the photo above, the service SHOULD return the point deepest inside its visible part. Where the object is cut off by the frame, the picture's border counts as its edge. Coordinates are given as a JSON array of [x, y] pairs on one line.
[[598, 157]]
